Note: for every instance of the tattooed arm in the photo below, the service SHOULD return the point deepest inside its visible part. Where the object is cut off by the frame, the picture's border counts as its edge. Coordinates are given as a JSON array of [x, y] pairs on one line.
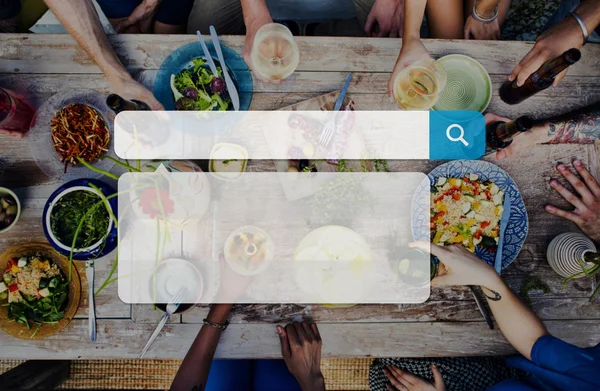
[[193, 373], [577, 127], [519, 324]]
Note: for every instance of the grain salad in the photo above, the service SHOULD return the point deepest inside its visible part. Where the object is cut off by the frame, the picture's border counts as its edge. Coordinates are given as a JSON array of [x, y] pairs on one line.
[[466, 211]]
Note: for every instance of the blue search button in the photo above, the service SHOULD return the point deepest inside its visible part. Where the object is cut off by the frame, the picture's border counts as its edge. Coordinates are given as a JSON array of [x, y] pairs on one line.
[[456, 135]]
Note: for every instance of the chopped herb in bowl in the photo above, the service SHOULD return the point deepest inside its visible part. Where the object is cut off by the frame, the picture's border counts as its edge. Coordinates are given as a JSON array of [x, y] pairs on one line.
[[69, 212]]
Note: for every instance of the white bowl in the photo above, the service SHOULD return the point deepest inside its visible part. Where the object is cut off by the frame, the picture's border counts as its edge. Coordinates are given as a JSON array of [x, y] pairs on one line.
[[4, 191]]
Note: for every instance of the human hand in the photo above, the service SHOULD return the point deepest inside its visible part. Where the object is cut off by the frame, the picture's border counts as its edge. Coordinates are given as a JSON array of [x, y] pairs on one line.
[[587, 206], [551, 44], [462, 266], [130, 89], [388, 17], [477, 30], [252, 28], [142, 15], [412, 51], [301, 350], [405, 381], [11, 132]]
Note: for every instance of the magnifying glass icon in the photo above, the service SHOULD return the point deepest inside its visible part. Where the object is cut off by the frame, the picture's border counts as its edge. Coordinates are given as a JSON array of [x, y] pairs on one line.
[[460, 138]]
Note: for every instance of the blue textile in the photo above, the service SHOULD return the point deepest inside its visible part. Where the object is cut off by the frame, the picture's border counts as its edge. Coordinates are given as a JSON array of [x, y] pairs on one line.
[[172, 12], [555, 366], [250, 375], [565, 8]]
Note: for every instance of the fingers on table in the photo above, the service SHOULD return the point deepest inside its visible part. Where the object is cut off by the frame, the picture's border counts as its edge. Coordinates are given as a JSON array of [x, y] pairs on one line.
[[589, 180], [395, 380], [577, 184], [564, 214], [285, 343], [567, 195]]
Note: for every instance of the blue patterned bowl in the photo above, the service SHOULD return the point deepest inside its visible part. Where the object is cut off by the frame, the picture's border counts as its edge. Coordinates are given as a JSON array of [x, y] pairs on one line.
[[181, 59], [100, 249], [518, 223]]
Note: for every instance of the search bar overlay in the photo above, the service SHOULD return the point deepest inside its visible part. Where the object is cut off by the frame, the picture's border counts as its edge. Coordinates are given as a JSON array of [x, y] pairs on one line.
[[344, 241], [282, 135]]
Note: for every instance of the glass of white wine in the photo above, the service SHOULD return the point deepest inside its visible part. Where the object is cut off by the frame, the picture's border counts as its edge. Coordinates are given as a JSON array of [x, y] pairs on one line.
[[275, 54], [419, 85]]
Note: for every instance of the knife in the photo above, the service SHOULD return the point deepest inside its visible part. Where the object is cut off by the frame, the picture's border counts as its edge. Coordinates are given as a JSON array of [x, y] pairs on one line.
[[233, 94], [89, 272], [482, 308], [209, 59], [340, 99], [503, 224]]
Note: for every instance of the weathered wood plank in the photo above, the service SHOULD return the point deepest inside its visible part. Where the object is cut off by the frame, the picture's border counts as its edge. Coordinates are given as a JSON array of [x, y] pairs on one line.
[[119, 339], [29, 53]]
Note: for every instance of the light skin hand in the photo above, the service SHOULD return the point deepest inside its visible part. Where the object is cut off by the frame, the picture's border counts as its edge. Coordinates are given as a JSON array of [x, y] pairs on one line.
[[551, 44], [587, 205], [412, 51], [9, 132], [477, 30], [301, 350], [142, 15], [406, 381], [462, 266], [524, 141], [130, 89], [256, 15], [382, 22]]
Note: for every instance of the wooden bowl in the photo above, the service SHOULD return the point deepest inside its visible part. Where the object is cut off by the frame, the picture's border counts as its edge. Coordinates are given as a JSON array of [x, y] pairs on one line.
[[19, 330]]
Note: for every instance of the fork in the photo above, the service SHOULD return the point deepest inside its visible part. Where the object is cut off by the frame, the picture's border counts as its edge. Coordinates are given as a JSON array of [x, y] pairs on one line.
[[172, 306], [329, 128]]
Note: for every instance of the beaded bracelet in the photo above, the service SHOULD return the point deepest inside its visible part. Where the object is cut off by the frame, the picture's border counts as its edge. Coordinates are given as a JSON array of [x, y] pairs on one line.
[[482, 18], [221, 326]]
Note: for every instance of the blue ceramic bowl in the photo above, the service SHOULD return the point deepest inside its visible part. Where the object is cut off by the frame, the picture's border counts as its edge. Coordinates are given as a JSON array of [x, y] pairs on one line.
[[181, 59], [102, 247]]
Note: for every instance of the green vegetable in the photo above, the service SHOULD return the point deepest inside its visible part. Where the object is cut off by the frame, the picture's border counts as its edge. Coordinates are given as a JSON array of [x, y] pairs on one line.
[[70, 210], [487, 242], [4, 295], [533, 284]]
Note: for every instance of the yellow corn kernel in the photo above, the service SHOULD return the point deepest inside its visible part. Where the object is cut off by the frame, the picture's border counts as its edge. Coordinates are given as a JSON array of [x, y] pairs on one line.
[[437, 237]]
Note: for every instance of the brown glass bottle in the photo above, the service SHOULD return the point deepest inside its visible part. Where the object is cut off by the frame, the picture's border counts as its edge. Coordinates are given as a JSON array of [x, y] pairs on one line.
[[499, 134], [541, 79], [118, 104]]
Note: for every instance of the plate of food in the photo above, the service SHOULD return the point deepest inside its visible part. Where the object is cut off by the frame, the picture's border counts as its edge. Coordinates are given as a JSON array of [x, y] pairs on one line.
[[39, 291], [72, 125], [249, 250], [184, 80], [78, 201], [465, 200]]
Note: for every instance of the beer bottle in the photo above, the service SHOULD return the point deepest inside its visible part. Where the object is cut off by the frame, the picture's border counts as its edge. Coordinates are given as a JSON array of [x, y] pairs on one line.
[[499, 134], [541, 79], [118, 104]]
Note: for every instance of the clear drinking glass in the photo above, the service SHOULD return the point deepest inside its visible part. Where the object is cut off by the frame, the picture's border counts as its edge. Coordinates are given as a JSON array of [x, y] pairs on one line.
[[419, 85], [275, 54], [14, 113]]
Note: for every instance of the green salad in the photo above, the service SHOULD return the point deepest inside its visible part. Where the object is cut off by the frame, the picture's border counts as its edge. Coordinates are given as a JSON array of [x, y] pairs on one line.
[[197, 89], [35, 290]]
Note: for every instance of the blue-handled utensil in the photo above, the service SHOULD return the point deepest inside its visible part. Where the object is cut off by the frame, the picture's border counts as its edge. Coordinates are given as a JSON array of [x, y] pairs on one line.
[[503, 224]]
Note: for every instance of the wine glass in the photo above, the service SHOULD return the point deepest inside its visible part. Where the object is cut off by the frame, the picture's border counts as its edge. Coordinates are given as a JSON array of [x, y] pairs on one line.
[[275, 54], [419, 85]]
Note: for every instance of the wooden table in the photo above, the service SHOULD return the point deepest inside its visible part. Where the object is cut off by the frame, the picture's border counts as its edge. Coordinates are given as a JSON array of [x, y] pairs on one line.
[[448, 324]]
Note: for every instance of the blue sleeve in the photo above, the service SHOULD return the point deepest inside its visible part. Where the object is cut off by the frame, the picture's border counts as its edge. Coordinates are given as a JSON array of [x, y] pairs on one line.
[[558, 356]]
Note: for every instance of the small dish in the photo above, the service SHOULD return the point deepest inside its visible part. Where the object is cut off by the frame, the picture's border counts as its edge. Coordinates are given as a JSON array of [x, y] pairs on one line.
[[468, 85], [103, 246], [170, 276], [251, 241], [4, 192], [228, 161]]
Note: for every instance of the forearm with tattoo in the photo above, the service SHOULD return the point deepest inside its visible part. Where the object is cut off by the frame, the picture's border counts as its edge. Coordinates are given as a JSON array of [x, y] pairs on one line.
[[578, 127]]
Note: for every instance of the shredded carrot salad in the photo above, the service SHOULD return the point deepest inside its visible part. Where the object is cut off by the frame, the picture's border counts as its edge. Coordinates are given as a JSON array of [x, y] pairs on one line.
[[79, 131]]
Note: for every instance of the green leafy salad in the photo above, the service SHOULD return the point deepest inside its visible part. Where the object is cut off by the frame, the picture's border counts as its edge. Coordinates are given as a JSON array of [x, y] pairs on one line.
[[35, 290], [197, 89]]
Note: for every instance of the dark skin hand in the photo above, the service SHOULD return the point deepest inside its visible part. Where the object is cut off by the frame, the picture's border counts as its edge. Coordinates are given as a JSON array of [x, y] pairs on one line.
[[301, 350], [587, 205]]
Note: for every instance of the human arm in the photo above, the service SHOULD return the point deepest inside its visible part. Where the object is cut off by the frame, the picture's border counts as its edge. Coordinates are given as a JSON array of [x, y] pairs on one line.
[[386, 19], [565, 35], [412, 47], [256, 15], [142, 15], [193, 372], [79, 17], [301, 346], [477, 30], [519, 324], [579, 127]]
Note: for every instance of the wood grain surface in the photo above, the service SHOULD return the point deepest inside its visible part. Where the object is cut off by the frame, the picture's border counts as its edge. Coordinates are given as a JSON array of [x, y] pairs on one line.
[[38, 66]]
